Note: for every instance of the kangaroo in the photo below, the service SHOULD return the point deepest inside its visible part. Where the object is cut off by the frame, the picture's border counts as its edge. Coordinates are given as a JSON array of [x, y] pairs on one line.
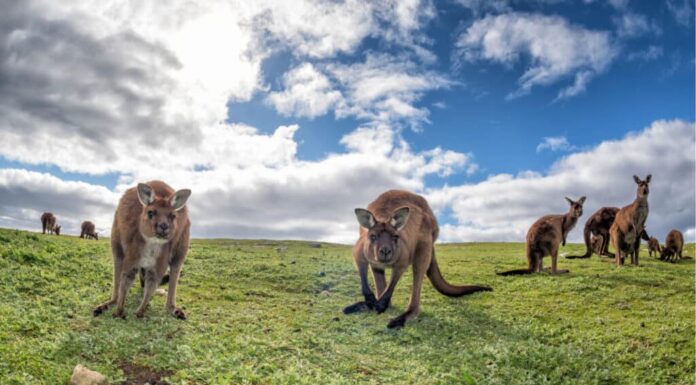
[[653, 246], [598, 242], [88, 231], [151, 232], [48, 223], [545, 236], [598, 225], [629, 226], [674, 244], [399, 230]]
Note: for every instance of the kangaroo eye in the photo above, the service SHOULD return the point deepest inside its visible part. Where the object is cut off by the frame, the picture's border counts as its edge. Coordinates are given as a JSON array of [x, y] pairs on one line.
[[395, 238], [172, 216], [373, 237], [150, 214]]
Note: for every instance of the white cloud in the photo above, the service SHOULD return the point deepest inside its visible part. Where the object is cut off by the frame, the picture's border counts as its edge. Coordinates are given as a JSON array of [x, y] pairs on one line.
[[384, 89], [682, 10], [653, 52], [555, 48], [555, 143], [630, 25], [307, 93], [503, 207]]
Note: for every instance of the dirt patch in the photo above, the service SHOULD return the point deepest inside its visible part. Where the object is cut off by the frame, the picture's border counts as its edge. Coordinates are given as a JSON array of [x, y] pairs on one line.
[[140, 375]]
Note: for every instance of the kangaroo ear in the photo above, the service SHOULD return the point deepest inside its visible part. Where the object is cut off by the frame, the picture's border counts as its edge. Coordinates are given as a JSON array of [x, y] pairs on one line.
[[647, 178], [636, 179], [365, 218], [178, 200], [581, 200], [145, 194], [399, 218], [570, 201]]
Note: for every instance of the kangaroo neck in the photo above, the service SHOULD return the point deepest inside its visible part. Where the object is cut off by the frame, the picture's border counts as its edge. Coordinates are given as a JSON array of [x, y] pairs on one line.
[[641, 202], [568, 223]]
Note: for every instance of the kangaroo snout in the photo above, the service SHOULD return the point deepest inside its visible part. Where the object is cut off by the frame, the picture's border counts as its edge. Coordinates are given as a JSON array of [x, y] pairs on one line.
[[385, 254]]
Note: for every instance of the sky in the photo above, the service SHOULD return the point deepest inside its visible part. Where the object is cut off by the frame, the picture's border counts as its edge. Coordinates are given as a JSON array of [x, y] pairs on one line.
[[282, 117]]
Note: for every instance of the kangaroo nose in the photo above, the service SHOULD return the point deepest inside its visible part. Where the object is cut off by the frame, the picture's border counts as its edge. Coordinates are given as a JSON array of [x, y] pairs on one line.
[[163, 227], [384, 253]]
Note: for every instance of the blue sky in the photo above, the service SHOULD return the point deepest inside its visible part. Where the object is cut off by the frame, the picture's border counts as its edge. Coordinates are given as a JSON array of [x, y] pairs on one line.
[[503, 134], [246, 102]]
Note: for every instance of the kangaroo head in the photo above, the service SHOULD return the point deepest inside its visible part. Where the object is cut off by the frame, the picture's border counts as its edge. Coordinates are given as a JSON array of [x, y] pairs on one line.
[[643, 189], [96, 235], [56, 229], [576, 206], [383, 238], [158, 217]]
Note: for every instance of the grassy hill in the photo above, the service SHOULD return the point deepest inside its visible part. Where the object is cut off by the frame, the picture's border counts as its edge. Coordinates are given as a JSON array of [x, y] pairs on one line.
[[266, 312]]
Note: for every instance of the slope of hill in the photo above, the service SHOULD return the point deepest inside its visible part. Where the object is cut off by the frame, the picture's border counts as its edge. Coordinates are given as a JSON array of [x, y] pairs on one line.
[[265, 312]]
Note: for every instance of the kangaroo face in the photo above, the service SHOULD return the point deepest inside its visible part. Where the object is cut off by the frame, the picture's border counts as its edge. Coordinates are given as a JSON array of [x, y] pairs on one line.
[[383, 241], [576, 207], [158, 218], [643, 189]]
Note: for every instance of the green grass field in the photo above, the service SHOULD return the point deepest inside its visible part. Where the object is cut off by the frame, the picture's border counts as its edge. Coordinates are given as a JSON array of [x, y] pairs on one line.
[[267, 312]]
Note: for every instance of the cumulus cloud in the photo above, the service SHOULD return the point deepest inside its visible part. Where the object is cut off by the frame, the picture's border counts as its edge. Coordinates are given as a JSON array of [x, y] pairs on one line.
[[555, 49], [307, 93], [554, 143], [504, 206]]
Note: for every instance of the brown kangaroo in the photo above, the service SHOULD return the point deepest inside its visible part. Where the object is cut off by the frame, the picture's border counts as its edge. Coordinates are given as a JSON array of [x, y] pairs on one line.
[[598, 225], [629, 226], [150, 232], [545, 236], [399, 230], [88, 231], [653, 246], [48, 223], [674, 244], [598, 242]]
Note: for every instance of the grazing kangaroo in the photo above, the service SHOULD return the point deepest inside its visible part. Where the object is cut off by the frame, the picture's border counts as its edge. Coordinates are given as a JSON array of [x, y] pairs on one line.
[[150, 232], [88, 231], [48, 223], [545, 236], [653, 246], [399, 230], [598, 226], [674, 244], [629, 226]]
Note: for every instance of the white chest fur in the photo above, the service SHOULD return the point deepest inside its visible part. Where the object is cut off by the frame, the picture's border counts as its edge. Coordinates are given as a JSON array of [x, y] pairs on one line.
[[150, 252]]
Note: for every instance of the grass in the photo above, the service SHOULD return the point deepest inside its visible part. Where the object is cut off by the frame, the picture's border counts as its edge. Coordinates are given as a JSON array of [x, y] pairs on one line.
[[266, 312]]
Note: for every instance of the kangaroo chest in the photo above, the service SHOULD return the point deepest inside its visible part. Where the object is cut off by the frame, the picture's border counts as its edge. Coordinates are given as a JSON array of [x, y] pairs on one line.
[[150, 253]]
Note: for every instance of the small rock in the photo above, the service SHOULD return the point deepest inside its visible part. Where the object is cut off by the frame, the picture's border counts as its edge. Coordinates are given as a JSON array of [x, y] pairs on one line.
[[642, 324], [321, 273], [281, 249], [160, 291], [84, 376], [315, 245], [325, 292]]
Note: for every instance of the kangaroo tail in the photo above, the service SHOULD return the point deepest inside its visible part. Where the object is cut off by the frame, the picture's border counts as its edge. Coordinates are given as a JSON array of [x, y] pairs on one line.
[[447, 289], [588, 253], [516, 272]]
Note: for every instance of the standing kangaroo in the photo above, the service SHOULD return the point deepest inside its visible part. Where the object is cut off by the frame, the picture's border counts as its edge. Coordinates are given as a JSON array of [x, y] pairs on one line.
[[598, 226], [399, 230], [150, 232], [629, 225], [545, 236], [88, 231], [653, 246], [674, 244]]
